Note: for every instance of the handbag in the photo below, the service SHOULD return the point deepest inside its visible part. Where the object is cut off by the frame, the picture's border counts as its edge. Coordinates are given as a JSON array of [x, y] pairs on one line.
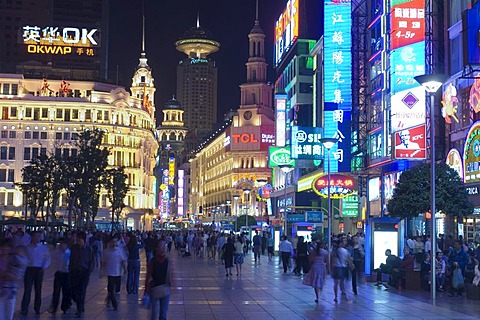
[[160, 291], [457, 279]]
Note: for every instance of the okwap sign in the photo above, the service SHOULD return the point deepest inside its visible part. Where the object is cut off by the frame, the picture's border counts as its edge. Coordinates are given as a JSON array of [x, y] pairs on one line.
[[61, 41], [407, 60], [249, 138]]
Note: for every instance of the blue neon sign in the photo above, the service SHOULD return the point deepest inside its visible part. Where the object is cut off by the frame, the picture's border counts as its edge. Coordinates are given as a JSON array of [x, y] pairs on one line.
[[338, 125]]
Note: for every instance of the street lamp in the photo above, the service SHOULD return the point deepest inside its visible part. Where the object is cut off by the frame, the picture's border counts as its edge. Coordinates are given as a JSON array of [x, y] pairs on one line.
[[328, 144], [247, 193], [286, 168], [431, 83], [235, 207]]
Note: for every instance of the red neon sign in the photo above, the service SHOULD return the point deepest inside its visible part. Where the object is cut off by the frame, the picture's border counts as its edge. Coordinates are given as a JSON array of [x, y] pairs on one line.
[[341, 186]]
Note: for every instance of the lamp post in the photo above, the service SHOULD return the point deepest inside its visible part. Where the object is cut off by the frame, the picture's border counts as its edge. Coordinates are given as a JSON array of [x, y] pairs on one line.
[[247, 193], [431, 83], [328, 144], [235, 208], [286, 168]]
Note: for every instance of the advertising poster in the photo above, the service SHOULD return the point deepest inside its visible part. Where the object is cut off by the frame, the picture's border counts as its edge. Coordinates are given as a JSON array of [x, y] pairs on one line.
[[471, 154], [411, 143]]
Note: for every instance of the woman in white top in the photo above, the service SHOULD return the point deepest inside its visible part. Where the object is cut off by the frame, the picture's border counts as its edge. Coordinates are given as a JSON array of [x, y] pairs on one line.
[[239, 256], [340, 263]]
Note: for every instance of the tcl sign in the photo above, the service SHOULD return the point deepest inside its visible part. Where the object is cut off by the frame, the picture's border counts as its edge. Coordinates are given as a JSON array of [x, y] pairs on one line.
[[244, 138]]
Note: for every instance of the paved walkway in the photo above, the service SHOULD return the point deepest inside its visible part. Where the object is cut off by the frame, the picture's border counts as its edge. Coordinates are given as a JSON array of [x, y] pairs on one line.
[[201, 291]]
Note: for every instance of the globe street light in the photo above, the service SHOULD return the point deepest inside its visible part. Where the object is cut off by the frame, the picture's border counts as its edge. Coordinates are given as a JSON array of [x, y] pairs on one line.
[[431, 83], [286, 168], [247, 193], [328, 144]]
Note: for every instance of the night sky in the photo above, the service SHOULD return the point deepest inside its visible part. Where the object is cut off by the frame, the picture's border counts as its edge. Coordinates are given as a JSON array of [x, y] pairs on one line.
[[229, 21]]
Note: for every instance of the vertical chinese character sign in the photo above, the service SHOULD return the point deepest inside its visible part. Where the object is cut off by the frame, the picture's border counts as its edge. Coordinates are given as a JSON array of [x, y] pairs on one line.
[[338, 81]]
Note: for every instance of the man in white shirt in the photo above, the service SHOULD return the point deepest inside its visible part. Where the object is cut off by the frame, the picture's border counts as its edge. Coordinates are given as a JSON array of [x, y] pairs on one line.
[[61, 282], [285, 248], [39, 260], [114, 260]]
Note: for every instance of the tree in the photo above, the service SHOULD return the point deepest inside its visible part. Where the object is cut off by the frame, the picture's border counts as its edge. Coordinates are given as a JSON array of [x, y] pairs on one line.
[[117, 188], [411, 196]]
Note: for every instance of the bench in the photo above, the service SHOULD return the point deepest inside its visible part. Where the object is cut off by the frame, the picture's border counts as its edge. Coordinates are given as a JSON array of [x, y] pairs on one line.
[[413, 280], [472, 291]]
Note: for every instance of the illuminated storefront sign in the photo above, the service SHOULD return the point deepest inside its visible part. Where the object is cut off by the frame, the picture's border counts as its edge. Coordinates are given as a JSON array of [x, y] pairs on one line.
[[350, 206], [411, 143], [407, 63], [475, 95], [454, 160], [341, 186], [471, 154], [306, 143], [286, 30], [278, 156], [61, 41], [337, 53], [408, 109], [338, 125], [180, 193], [280, 119], [164, 198], [249, 138], [450, 104]]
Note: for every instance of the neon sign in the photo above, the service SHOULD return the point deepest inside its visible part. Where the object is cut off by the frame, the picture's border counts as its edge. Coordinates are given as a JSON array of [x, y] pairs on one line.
[[280, 119], [279, 156], [337, 53], [450, 103], [341, 186], [471, 154], [338, 125], [306, 143], [286, 30]]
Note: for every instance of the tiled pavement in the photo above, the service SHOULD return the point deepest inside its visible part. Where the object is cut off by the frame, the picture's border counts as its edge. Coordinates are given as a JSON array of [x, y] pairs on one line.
[[201, 291]]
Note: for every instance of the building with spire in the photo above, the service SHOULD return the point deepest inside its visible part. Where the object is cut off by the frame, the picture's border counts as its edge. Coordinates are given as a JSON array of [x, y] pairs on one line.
[[236, 157], [197, 82]]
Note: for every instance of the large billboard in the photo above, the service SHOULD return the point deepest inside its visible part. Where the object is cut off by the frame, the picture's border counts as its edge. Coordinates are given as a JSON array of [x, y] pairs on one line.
[[61, 40], [249, 138], [286, 30], [411, 143], [306, 143], [337, 124], [337, 53], [471, 154], [280, 119], [407, 60]]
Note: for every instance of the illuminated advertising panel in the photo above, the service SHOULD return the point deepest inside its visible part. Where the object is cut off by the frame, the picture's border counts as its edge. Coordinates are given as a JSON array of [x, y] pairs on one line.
[[408, 109], [286, 30], [341, 186], [337, 124], [390, 181], [171, 170], [454, 161], [450, 104], [249, 138], [350, 206], [337, 53], [471, 154], [471, 29], [278, 156], [180, 193], [164, 203], [411, 143], [61, 40], [280, 119], [306, 143], [374, 189], [474, 99], [407, 22]]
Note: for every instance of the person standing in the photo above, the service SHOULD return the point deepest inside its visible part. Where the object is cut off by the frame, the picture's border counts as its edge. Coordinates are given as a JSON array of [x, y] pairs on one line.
[[316, 275], [159, 276], [270, 244], [39, 260], [358, 255], [302, 257], [239, 257], [82, 264], [133, 247], [257, 246], [285, 248], [228, 252], [114, 261], [61, 282]]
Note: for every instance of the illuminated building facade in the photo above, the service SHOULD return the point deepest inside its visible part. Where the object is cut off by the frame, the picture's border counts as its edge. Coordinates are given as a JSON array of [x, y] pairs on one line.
[[234, 158], [55, 39], [45, 117], [197, 83]]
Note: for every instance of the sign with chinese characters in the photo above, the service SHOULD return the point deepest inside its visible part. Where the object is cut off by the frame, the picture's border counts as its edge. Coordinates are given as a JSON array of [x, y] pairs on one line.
[[280, 119], [181, 193], [454, 160], [407, 22], [411, 143], [286, 30], [171, 170], [164, 196], [61, 40], [471, 154], [337, 53], [278, 156], [408, 109], [306, 143], [350, 206], [341, 186], [337, 124]]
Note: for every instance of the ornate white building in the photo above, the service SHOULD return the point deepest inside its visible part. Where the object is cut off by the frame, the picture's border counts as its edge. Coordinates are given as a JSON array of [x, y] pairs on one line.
[[45, 116]]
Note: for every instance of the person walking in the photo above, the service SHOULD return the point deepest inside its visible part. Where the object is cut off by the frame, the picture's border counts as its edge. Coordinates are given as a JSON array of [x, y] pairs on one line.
[[82, 264], [114, 261], [39, 260], [239, 257], [61, 281], [358, 255], [133, 277], [339, 263], [316, 275], [158, 281], [228, 252], [285, 248], [257, 246], [270, 244], [302, 257]]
